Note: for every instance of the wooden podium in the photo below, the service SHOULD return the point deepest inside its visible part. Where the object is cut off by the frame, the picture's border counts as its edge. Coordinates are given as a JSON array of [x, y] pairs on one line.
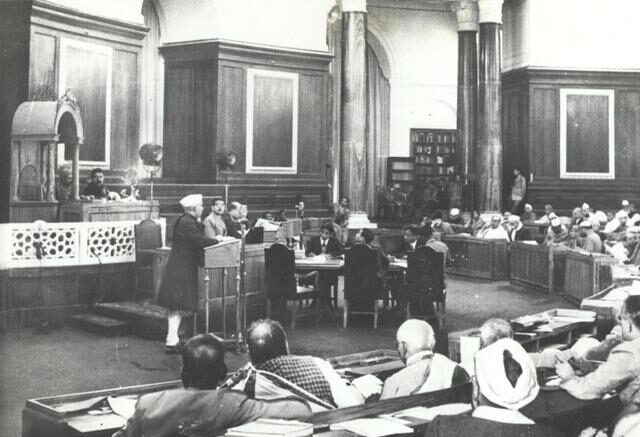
[[223, 255]]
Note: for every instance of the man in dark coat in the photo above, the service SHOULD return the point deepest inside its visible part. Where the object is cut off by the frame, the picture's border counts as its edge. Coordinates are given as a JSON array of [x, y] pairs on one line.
[[200, 408], [179, 288], [325, 243]]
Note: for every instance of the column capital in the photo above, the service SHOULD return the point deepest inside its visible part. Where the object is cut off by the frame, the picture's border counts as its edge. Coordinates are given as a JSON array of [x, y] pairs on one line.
[[353, 6], [490, 11], [466, 14]]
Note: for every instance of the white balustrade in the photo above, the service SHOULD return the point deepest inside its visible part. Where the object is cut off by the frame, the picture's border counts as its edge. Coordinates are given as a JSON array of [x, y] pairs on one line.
[[41, 244]]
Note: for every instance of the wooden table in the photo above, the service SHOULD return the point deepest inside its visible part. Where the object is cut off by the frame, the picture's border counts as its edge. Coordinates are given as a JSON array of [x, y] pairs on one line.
[[337, 265], [98, 211], [563, 332]]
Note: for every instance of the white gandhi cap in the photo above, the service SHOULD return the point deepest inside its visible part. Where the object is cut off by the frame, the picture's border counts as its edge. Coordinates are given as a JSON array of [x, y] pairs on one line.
[[191, 201]]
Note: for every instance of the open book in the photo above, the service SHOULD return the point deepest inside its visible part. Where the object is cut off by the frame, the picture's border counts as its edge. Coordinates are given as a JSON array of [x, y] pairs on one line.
[[272, 427]]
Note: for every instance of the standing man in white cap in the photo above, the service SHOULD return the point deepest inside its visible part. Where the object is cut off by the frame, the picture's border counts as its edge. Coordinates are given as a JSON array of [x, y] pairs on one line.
[[505, 382], [179, 288]]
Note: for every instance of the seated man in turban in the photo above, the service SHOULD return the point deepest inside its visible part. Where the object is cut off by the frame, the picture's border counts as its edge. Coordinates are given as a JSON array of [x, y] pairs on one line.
[[505, 383], [275, 373], [200, 408], [425, 370]]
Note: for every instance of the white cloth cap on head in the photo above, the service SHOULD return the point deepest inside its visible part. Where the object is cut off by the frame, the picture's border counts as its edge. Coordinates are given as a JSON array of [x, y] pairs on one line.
[[492, 376], [555, 221], [585, 205], [553, 215], [514, 218], [527, 206], [586, 224], [601, 216], [625, 203], [454, 212], [496, 217], [191, 201]]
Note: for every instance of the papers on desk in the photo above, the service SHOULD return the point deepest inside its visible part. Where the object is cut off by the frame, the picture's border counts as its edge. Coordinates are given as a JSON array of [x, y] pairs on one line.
[[123, 406], [74, 407], [272, 427], [429, 414], [374, 427]]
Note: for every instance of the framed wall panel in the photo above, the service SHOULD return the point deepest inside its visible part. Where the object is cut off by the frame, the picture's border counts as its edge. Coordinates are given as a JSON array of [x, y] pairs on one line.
[[587, 134], [272, 122], [86, 68]]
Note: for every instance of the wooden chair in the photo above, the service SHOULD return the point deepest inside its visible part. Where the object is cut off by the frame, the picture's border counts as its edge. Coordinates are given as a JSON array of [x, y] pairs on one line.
[[148, 235], [284, 285], [363, 282], [424, 283]]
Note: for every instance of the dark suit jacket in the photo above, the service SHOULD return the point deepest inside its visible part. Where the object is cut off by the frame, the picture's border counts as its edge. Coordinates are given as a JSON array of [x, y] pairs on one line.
[[179, 287], [314, 246], [406, 248], [233, 227], [205, 412]]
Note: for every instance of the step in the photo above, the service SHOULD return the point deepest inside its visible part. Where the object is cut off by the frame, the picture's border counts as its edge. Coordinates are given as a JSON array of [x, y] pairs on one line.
[[145, 319], [102, 325]]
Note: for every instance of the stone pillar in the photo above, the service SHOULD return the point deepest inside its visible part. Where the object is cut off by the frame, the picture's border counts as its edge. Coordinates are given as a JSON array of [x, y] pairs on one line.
[[467, 16], [353, 156], [51, 171], [489, 158], [75, 168]]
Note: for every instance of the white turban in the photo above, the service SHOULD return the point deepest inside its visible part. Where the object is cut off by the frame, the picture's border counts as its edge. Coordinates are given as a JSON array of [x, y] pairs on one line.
[[191, 201], [492, 376]]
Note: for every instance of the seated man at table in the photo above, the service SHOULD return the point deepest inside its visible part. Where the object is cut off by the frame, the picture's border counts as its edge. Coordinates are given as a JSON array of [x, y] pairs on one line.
[[592, 242], [233, 220], [367, 236], [274, 372], [96, 189], [410, 241], [621, 370], [325, 243], [425, 370], [505, 382], [495, 231], [199, 407]]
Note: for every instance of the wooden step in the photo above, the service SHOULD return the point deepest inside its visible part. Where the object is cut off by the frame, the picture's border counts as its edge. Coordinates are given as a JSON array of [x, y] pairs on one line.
[[102, 325], [145, 319]]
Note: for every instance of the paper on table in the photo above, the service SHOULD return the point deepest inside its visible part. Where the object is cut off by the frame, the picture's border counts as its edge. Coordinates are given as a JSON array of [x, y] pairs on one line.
[[72, 407], [468, 348], [123, 406], [430, 413], [374, 427]]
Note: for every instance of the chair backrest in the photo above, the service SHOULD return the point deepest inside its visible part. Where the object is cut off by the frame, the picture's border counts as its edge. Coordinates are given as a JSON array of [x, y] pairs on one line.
[[425, 270], [361, 279], [280, 269], [255, 236], [148, 235]]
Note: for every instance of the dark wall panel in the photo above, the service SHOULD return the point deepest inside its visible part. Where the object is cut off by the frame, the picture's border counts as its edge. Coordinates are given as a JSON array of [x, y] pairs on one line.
[[42, 69], [587, 134], [627, 114], [203, 153], [124, 110], [313, 143], [545, 133], [231, 112], [14, 76], [272, 121], [178, 121], [86, 74]]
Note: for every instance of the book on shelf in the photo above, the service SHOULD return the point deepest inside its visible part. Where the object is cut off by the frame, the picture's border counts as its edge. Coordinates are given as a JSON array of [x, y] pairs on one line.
[[272, 427]]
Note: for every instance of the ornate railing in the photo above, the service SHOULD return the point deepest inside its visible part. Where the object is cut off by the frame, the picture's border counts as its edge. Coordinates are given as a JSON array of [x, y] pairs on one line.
[[41, 244]]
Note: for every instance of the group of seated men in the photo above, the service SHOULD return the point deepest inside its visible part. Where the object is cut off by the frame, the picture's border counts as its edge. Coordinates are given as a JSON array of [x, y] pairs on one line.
[[278, 384]]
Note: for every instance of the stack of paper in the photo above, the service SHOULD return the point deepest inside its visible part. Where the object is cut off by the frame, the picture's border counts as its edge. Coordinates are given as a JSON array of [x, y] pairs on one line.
[[374, 427], [272, 427], [429, 414]]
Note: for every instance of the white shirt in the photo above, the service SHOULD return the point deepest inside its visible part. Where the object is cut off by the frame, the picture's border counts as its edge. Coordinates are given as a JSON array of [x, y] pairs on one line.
[[495, 234]]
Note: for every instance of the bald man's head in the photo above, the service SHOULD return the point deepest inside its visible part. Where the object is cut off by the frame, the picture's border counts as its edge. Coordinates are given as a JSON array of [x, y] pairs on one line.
[[493, 330], [414, 336], [266, 340]]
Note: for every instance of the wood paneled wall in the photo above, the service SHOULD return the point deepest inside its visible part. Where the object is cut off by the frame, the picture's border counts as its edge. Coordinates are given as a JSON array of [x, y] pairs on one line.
[[14, 73], [531, 136], [205, 109], [51, 24]]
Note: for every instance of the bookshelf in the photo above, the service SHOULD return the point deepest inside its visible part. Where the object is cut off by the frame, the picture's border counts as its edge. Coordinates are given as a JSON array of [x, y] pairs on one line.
[[435, 154], [401, 173]]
